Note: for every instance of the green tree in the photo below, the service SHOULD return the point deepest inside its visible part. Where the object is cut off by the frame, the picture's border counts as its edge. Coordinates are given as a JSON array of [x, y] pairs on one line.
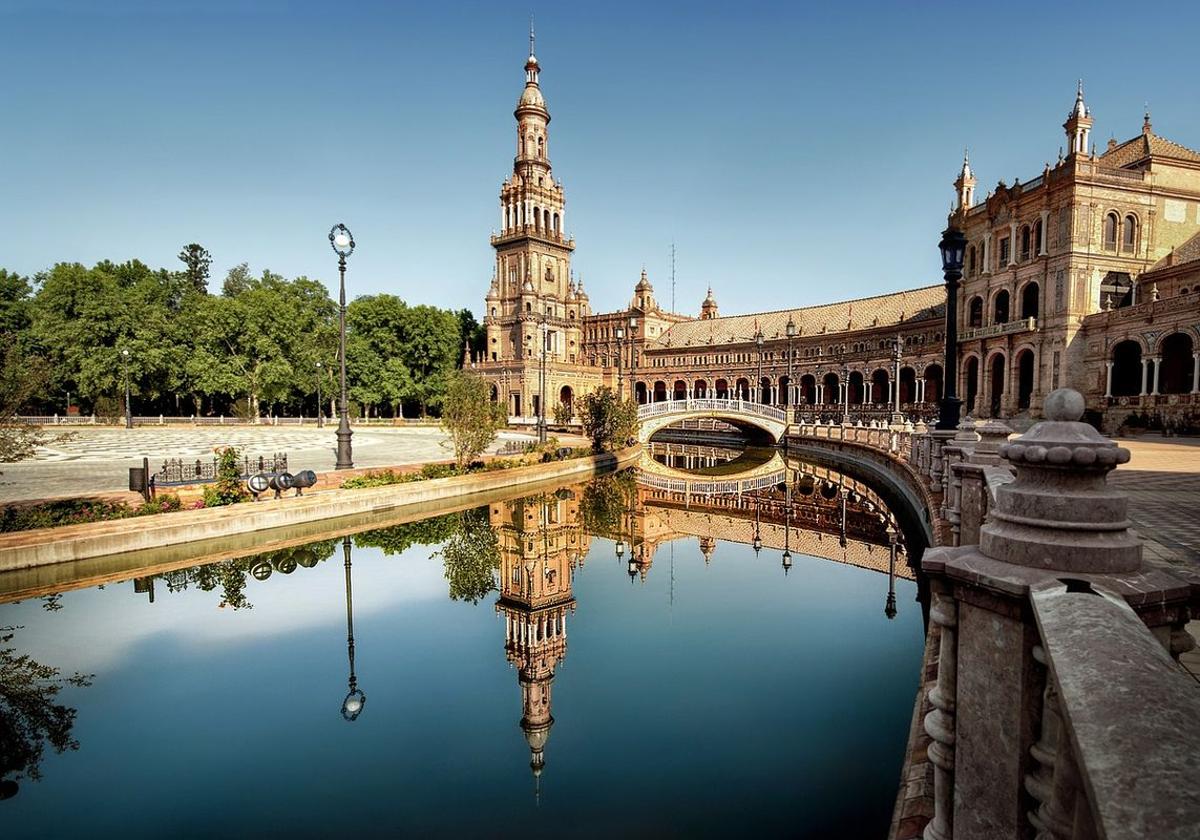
[[376, 368], [399, 538], [471, 556], [469, 416], [22, 378], [197, 262], [605, 499], [609, 422], [30, 716], [432, 350]]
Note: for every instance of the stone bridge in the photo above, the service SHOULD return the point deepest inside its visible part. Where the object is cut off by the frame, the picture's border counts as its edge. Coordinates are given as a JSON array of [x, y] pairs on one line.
[[760, 423]]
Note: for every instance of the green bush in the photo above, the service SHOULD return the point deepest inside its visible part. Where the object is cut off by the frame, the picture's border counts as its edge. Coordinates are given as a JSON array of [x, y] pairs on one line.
[[79, 512], [228, 489]]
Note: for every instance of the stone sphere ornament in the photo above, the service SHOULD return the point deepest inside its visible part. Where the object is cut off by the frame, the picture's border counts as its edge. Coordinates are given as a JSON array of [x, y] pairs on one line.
[[1064, 404]]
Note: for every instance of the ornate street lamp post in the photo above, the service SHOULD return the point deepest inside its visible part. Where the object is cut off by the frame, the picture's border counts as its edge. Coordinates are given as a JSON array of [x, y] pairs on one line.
[[342, 243], [541, 425], [128, 402], [620, 355], [352, 706], [845, 393], [897, 417], [758, 342], [787, 529], [320, 413], [757, 543], [889, 608], [791, 334], [952, 246]]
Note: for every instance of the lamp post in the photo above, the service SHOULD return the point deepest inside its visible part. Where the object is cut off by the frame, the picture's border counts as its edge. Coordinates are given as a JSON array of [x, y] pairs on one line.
[[952, 246], [320, 413], [342, 242], [632, 361], [787, 530], [845, 394], [352, 706], [128, 402], [790, 329], [757, 543], [541, 424], [620, 354], [889, 608], [758, 342], [897, 417]]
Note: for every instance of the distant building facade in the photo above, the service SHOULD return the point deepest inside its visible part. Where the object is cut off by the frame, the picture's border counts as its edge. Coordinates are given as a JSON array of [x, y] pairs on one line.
[[1087, 275]]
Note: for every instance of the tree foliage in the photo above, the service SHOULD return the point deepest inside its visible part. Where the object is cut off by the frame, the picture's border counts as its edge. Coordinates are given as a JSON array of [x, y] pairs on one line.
[[605, 499], [30, 716], [609, 422], [469, 416], [471, 556], [197, 262]]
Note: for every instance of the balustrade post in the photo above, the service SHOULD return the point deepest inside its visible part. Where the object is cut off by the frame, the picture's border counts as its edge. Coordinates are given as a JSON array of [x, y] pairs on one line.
[[939, 723]]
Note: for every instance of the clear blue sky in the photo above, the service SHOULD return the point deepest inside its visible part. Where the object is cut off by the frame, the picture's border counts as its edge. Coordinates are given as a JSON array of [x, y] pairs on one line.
[[794, 155]]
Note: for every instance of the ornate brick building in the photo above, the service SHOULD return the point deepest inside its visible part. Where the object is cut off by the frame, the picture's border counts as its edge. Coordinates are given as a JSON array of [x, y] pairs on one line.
[[1087, 275]]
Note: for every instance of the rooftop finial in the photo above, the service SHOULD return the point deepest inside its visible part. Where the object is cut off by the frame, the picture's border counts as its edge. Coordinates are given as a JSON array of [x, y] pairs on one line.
[[1146, 120], [1080, 110], [531, 36]]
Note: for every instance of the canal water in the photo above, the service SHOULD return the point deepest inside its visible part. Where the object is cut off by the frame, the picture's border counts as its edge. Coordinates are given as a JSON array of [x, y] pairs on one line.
[[605, 659]]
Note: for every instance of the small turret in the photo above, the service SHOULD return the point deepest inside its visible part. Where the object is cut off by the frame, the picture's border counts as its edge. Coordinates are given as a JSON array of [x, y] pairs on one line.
[[964, 185], [1078, 125], [708, 309]]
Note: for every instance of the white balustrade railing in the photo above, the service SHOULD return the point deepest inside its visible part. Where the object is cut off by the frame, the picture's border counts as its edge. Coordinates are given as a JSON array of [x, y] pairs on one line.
[[703, 404]]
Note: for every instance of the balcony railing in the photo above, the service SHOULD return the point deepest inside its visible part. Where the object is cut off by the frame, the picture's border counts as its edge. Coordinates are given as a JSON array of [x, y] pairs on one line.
[[1023, 325]]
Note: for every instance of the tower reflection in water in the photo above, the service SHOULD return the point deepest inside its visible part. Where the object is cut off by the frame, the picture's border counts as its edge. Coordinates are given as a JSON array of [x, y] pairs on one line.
[[541, 543]]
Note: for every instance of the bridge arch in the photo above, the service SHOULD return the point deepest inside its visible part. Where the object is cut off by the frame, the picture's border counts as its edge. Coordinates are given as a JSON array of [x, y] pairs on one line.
[[760, 423]]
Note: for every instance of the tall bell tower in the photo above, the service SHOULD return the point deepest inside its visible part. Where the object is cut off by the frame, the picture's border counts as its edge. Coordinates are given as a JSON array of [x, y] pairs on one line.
[[532, 280]]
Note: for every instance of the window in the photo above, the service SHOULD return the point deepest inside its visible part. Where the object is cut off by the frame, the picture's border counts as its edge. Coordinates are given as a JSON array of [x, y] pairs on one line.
[[1059, 283], [1025, 238], [1039, 237], [971, 261], [1005, 251], [1110, 232], [1129, 235]]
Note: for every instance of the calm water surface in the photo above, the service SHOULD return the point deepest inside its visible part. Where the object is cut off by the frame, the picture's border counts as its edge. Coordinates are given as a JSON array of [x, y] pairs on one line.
[[604, 659]]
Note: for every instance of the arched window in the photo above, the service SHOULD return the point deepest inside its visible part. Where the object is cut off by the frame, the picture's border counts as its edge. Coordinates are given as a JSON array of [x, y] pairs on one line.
[[1024, 243], [1000, 308], [1039, 242], [541, 146], [1110, 232], [975, 312], [1129, 235], [1029, 301], [971, 261]]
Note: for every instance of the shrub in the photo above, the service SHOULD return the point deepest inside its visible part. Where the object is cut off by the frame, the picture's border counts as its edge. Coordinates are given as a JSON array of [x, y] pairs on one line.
[[228, 489]]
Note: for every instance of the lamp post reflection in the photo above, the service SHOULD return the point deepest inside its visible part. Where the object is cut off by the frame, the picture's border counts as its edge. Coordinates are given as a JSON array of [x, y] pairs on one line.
[[889, 608], [352, 706], [787, 528]]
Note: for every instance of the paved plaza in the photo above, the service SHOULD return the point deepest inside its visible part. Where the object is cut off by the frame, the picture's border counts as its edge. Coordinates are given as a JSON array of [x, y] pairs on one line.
[[98, 459]]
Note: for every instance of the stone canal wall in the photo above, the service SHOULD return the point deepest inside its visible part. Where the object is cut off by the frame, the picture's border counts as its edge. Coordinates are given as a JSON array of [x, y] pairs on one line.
[[50, 546]]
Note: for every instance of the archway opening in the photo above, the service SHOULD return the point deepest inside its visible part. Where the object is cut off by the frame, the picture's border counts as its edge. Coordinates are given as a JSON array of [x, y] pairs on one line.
[[1178, 366], [972, 384], [857, 391], [879, 387], [660, 391], [933, 383], [679, 390], [908, 386], [1000, 308], [700, 389], [830, 390], [997, 385], [1127, 369], [640, 392], [764, 391], [566, 397], [742, 389], [721, 387], [808, 389], [1029, 300], [1024, 379]]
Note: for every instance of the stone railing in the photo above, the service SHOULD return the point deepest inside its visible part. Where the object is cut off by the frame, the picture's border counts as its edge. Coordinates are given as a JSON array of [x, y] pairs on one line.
[[1019, 326], [1057, 709], [712, 404], [895, 440]]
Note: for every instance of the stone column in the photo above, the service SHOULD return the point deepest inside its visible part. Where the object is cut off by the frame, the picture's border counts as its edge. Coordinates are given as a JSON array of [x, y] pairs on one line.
[[1045, 233], [939, 723], [1196, 373], [1157, 365], [1108, 366], [867, 385], [1012, 244], [987, 253], [820, 393], [1145, 374]]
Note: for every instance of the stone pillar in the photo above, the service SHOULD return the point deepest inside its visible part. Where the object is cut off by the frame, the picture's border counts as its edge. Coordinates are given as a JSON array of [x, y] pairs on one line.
[[1045, 233], [1108, 366], [1145, 374], [867, 385], [939, 723], [1157, 365], [987, 253], [820, 393], [1012, 245], [1196, 373]]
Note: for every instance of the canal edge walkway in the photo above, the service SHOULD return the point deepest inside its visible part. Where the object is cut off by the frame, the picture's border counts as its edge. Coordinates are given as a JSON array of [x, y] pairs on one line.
[[50, 546]]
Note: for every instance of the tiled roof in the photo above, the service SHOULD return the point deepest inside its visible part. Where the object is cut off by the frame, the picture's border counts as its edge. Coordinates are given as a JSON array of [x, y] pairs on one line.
[[1188, 251], [864, 313], [1144, 146]]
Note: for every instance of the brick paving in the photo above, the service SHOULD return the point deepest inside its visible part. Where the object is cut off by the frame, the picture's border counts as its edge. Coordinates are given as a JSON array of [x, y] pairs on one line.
[[1162, 479], [97, 460]]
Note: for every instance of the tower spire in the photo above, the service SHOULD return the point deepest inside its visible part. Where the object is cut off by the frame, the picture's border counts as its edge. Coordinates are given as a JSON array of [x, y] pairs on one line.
[[531, 36], [1079, 124]]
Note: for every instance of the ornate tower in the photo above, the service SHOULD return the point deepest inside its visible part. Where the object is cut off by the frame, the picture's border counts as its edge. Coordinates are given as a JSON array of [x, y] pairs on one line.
[[540, 545], [708, 309], [964, 185], [1078, 125], [532, 276]]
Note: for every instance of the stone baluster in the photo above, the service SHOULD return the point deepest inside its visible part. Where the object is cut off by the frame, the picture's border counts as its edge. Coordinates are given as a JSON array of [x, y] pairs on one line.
[[939, 723], [1039, 783]]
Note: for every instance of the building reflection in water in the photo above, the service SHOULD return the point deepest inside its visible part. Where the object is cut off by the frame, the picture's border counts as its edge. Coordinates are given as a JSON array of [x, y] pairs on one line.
[[541, 545]]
